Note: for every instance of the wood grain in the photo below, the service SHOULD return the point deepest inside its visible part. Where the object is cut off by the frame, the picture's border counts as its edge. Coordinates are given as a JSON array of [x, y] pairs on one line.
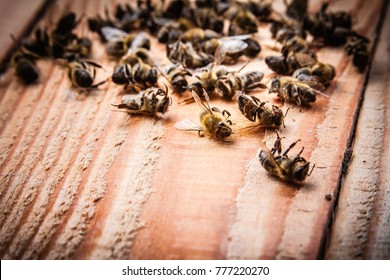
[[17, 16], [81, 181], [362, 225]]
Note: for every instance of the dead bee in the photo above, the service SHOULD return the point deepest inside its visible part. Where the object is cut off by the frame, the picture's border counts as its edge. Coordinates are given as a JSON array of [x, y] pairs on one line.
[[197, 35], [357, 46], [144, 74], [185, 54], [122, 75], [214, 122], [320, 72], [242, 21], [229, 85], [25, 67], [230, 49], [152, 101], [333, 27], [39, 44], [133, 56], [170, 31], [81, 73], [95, 24], [287, 65], [119, 42], [294, 44], [261, 9], [295, 91], [176, 75], [294, 169], [61, 36], [206, 18], [296, 9], [252, 108], [78, 49]]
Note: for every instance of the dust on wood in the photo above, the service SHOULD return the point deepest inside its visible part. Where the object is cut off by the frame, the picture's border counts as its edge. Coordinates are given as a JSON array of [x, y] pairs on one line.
[[82, 181]]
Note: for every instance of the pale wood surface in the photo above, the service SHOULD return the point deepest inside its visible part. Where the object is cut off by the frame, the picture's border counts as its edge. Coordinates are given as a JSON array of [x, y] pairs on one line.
[[79, 180], [15, 17], [361, 228]]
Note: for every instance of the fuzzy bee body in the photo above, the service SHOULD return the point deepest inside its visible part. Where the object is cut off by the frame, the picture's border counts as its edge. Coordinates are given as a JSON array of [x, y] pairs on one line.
[[152, 101], [255, 110], [278, 163], [295, 91]]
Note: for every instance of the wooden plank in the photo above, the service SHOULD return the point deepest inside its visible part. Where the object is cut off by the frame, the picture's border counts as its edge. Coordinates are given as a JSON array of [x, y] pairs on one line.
[[79, 180], [16, 18], [361, 228]]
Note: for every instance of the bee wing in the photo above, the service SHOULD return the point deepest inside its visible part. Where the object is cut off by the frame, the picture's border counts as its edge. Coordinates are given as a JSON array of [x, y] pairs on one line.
[[304, 59], [237, 37], [111, 33], [314, 84], [233, 46], [200, 103], [281, 172], [187, 125]]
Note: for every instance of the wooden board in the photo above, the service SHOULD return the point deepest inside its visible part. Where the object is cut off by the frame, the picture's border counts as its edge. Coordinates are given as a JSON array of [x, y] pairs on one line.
[[17, 17], [81, 181], [361, 227]]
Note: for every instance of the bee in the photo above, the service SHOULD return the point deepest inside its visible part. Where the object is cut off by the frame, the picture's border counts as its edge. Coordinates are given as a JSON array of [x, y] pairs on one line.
[[214, 122], [357, 46], [81, 73], [252, 108], [61, 36], [296, 9], [78, 49], [242, 21], [294, 44], [176, 75], [320, 72], [206, 18], [95, 24], [119, 42], [208, 77], [171, 31], [196, 35], [291, 169], [39, 44], [261, 9], [229, 49], [185, 54], [229, 85], [152, 101], [122, 75], [144, 74], [333, 27], [25, 67], [295, 91], [287, 65]]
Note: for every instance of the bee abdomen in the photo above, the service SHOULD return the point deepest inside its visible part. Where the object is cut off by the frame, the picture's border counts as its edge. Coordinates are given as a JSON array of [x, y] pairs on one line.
[[265, 162]]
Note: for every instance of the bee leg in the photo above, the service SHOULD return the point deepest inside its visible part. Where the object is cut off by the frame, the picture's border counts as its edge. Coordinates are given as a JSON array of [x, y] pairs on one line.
[[299, 154], [229, 122], [227, 113], [309, 173], [278, 144], [291, 146], [201, 133]]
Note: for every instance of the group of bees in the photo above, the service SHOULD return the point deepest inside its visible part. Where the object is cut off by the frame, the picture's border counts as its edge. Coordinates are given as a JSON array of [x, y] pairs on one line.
[[201, 37]]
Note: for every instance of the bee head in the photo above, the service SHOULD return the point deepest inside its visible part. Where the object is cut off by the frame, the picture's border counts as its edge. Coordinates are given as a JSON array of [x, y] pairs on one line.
[[27, 72], [277, 115], [83, 78], [300, 170], [275, 85], [223, 130], [119, 76]]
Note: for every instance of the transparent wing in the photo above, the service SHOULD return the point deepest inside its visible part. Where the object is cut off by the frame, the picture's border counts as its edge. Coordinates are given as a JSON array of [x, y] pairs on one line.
[[187, 125], [271, 161], [200, 103], [112, 33], [304, 59], [233, 46]]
